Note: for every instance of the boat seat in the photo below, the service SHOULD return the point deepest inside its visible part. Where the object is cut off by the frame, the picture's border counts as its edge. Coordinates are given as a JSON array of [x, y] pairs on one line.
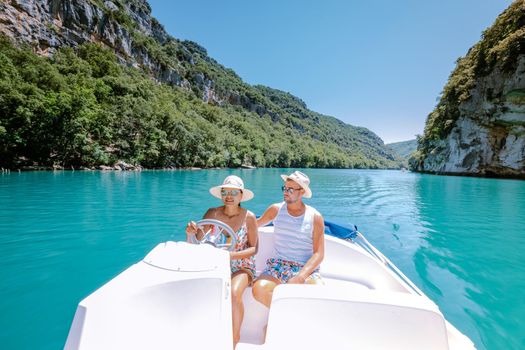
[[346, 262], [311, 316], [256, 315], [335, 282], [342, 261]]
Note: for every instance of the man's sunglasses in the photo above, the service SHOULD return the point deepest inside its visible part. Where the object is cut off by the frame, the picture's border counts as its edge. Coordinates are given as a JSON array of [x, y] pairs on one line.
[[290, 190], [232, 193]]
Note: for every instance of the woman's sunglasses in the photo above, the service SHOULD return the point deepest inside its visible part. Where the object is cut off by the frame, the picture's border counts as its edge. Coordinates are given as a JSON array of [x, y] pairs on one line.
[[232, 193]]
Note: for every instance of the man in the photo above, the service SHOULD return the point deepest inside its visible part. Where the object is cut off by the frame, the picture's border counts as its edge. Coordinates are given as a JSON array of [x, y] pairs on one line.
[[299, 239]]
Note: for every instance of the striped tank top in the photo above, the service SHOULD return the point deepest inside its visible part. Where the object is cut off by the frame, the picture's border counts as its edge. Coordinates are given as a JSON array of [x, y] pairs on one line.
[[293, 234]]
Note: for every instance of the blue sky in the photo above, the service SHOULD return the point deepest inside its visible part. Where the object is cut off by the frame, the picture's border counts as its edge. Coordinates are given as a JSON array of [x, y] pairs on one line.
[[379, 64]]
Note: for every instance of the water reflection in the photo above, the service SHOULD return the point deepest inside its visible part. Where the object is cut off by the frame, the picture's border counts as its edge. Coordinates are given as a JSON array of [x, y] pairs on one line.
[[470, 262]]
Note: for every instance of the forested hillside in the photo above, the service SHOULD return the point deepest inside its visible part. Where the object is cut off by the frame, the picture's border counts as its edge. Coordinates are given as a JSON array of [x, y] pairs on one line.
[[404, 148], [95, 82]]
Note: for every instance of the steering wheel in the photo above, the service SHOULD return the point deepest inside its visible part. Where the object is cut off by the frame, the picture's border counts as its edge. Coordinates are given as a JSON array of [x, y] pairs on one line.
[[218, 234]]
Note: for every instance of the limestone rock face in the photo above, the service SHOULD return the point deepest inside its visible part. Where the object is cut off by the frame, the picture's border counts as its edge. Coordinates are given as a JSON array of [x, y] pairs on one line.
[[47, 25], [488, 138]]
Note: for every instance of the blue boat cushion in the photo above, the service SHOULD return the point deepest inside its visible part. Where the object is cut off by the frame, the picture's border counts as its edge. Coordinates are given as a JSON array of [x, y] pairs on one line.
[[339, 231]]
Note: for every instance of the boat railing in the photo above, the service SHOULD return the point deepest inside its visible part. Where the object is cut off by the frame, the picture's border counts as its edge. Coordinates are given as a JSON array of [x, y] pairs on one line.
[[361, 241], [350, 233]]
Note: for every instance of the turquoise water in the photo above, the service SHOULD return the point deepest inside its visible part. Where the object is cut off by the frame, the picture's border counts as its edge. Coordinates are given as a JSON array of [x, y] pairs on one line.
[[64, 234]]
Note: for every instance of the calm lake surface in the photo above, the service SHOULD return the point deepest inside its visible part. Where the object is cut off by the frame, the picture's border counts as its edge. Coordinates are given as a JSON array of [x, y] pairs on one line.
[[64, 234]]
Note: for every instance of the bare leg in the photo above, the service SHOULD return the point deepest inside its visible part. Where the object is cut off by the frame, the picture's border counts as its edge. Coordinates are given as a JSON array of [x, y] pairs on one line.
[[263, 289], [240, 281]]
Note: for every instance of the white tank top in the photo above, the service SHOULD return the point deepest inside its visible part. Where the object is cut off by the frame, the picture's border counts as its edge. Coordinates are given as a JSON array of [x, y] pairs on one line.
[[293, 234]]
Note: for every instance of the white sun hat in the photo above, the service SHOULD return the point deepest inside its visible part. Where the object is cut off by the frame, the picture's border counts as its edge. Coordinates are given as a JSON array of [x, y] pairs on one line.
[[302, 180], [232, 181]]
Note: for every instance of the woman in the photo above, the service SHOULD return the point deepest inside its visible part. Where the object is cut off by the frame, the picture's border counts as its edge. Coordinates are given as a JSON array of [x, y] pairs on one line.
[[244, 223]]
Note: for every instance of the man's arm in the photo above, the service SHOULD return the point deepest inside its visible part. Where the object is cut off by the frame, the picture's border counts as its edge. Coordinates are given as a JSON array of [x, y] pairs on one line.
[[318, 252], [268, 215]]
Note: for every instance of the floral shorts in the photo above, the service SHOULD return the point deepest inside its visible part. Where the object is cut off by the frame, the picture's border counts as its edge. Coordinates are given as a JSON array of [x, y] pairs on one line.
[[247, 265], [283, 270]]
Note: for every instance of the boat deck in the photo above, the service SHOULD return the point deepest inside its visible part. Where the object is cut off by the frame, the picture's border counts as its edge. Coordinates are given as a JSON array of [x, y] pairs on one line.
[[163, 302], [358, 300]]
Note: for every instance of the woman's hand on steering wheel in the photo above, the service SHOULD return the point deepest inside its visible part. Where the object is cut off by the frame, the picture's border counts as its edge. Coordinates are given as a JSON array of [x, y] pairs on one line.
[[215, 232], [191, 228]]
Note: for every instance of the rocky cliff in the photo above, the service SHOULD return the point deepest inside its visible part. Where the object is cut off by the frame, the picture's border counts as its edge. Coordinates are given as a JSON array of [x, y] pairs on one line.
[[137, 38], [478, 126], [125, 26]]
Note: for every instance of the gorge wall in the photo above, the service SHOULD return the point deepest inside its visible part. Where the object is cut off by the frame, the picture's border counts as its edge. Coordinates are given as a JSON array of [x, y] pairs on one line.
[[478, 126]]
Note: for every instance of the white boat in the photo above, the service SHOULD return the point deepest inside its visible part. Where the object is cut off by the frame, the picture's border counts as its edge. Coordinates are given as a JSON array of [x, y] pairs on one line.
[[248, 166], [178, 297]]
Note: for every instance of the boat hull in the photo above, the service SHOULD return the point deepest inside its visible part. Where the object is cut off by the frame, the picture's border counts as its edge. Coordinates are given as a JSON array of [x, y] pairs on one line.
[[179, 296]]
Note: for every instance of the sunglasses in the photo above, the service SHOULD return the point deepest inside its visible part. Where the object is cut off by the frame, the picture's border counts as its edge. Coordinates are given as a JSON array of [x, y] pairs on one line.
[[290, 190], [232, 193]]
